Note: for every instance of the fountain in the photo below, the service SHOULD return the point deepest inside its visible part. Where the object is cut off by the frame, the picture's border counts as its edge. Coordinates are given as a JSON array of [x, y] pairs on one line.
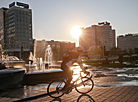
[[32, 63], [11, 70], [37, 64], [10, 61], [48, 56], [40, 71]]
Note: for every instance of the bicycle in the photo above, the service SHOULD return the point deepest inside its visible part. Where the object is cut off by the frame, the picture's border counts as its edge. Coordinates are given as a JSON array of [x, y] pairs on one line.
[[54, 88]]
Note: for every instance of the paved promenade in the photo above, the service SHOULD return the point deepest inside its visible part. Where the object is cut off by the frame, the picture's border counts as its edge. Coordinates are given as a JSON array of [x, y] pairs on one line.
[[99, 94]]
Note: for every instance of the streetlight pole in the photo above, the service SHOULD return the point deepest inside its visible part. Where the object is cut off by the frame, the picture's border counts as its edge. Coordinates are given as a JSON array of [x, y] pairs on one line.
[[103, 51], [102, 46], [20, 50], [20, 47]]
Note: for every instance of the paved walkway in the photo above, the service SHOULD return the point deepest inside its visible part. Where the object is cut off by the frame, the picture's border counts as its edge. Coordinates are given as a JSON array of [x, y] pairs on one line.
[[99, 94]]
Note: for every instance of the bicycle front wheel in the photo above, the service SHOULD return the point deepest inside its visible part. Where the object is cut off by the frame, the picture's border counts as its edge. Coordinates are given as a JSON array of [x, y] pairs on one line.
[[54, 89], [85, 86]]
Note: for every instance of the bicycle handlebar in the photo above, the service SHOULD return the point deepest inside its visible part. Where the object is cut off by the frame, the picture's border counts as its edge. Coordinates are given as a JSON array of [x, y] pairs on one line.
[[88, 73]]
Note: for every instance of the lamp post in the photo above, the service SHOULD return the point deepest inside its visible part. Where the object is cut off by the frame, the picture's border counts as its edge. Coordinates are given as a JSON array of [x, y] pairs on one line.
[[21, 48], [103, 47]]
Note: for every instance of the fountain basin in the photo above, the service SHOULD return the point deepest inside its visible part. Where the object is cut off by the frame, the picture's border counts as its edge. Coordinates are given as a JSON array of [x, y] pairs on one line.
[[43, 77], [17, 63], [10, 78], [2, 66]]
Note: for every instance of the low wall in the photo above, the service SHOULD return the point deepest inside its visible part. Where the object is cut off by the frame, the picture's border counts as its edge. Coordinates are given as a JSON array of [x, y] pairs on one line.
[[42, 77], [11, 78]]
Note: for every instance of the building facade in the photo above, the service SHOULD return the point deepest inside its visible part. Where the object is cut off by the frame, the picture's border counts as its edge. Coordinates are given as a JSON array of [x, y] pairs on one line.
[[16, 28], [127, 42], [2, 25], [98, 35], [58, 48]]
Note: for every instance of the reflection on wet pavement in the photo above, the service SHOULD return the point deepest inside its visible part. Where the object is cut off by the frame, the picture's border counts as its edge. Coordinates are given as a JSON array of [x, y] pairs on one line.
[[23, 92], [35, 89], [113, 77]]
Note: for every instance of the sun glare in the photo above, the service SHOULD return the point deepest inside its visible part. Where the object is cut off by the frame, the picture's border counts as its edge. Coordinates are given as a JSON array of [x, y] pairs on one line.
[[76, 32]]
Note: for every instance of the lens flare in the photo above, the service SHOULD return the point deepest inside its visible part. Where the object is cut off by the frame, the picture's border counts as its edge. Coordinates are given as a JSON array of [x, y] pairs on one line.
[[76, 31]]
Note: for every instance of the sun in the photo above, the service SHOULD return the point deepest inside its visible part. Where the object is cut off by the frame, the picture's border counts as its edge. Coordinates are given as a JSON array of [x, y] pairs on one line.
[[76, 31]]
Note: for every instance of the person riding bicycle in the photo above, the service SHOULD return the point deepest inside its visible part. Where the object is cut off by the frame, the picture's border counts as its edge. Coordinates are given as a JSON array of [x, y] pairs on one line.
[[68, 60]]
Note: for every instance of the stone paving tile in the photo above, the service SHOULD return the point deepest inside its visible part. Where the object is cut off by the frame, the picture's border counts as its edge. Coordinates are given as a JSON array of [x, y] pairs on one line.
[[102, 94], [98, 94]]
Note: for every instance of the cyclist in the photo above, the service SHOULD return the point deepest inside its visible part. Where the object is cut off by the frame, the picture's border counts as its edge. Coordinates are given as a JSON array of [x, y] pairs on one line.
[[68, 60]]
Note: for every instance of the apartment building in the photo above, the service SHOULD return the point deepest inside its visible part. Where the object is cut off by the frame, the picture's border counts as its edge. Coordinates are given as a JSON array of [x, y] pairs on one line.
[[127, 42], [98, 35]]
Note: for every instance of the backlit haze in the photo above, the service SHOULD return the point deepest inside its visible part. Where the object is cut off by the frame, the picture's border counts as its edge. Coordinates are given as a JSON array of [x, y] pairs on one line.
[[54, 19], [76, 31]]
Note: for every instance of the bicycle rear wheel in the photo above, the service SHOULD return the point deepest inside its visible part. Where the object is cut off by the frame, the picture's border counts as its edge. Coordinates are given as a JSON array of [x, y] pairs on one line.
[[54, 89], [85, 85]]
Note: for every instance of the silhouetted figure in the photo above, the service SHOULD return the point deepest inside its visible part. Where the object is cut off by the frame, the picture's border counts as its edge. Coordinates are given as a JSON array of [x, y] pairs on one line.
[[120, 59]]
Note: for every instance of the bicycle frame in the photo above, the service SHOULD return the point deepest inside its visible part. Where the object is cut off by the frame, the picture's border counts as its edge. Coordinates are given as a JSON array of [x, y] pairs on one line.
[[82, 81], [73, 84], [80, 77], [60, 83]]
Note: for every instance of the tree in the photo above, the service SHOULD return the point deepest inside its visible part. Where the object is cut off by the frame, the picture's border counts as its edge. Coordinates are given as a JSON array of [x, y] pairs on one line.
[[136, 50], [125, 51], [120, 59], [113, 51], [130, 51], [94, 51]]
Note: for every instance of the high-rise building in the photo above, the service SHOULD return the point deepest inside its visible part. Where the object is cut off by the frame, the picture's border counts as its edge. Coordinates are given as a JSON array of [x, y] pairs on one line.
[[127, 42], [16, 27], [98, 35], [2, 25]]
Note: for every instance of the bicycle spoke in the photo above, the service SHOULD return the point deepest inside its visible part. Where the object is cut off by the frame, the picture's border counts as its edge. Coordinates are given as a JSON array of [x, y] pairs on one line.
[[54, 89], [85, 86]]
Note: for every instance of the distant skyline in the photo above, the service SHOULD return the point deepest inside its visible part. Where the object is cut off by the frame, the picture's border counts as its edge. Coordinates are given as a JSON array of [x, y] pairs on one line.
[[54, 19]]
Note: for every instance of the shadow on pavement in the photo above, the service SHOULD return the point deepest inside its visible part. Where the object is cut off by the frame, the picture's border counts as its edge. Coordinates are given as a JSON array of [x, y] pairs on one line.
[[81, 98], [85, 98], [56, 99], [12, 93]]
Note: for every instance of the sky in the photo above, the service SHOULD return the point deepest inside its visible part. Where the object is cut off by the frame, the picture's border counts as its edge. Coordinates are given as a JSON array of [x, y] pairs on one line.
[[54, 19]]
